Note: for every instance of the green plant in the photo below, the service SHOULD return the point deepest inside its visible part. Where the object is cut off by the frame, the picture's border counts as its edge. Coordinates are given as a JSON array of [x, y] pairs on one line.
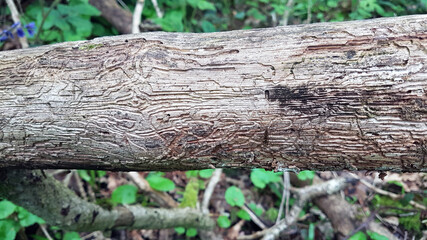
[[125, 194], [13, 218], [62, 22], [160, 183], [223, 221], [234, 196], [260, 177], [306, 175]]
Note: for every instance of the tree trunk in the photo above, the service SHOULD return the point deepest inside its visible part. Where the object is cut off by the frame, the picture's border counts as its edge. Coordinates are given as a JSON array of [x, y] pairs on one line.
[[326, 96]]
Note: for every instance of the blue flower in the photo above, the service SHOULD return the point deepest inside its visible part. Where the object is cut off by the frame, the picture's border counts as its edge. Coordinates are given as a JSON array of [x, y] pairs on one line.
[[8, 34], [31, 28], [20, 32]]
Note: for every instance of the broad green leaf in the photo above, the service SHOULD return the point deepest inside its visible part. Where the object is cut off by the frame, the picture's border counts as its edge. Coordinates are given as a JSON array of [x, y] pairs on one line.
[[172, 21], [208, 26], [193, 3], [125, 194], [256, 14], [191, 173], [205, 5], [191, 232], [180, 230], [260, 178], [223, 221], [234, 196], [8, 229], [71, 236], [83, 26], [26, 218], [101, 173], [71, 36], [6, 208], [51, 35], [160, 183], [358, 236], [206, 173], [243, 215], [190, 194], [78, 10], [240, 15], [306, 175]]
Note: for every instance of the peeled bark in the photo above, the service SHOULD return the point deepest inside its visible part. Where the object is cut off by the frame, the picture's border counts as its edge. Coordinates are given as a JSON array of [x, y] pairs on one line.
[[326, 96]]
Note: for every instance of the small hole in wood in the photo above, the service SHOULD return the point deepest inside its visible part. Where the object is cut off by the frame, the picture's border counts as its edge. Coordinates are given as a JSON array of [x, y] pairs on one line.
[[267, 94]]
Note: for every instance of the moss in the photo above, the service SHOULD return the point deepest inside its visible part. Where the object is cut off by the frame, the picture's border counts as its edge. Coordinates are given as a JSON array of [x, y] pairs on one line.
[[90, 46]]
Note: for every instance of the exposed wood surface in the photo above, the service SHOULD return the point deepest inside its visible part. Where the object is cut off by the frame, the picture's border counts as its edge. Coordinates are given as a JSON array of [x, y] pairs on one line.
[[329, 96]]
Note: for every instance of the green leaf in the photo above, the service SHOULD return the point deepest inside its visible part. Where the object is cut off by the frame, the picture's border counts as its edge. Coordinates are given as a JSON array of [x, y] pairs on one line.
[[257, 210], [234, 196], [84, 175], [191, 232], [376, 236], [407, 198], [260, 178], [311, 229], [191, 173], [256, 14], [78, 10], [6, 208], [306, 175], [172, 21], [193, 3], [160, 183], [243, 215], [125, 194], [27, 219], [240, 15], [37, 237], [71, 36], [205, 5], [206, 173], [208, 26], [49, 36], [83, 26], [358, 236], [223, 221], [71, 236], [272, 213], [190, 194], [8, 229], [180, 230], [101, 173]]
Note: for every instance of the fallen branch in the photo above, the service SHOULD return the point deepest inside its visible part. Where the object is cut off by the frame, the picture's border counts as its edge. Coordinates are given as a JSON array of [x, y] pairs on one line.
[[303, 195], [59, 206]]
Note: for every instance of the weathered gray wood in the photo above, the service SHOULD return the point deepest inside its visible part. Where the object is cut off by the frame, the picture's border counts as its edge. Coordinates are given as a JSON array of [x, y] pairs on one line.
[[348, 95]]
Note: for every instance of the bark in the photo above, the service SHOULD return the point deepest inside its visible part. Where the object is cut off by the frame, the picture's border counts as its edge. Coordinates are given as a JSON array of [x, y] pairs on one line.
[[120, 18], [59, 206], [326, 96]]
